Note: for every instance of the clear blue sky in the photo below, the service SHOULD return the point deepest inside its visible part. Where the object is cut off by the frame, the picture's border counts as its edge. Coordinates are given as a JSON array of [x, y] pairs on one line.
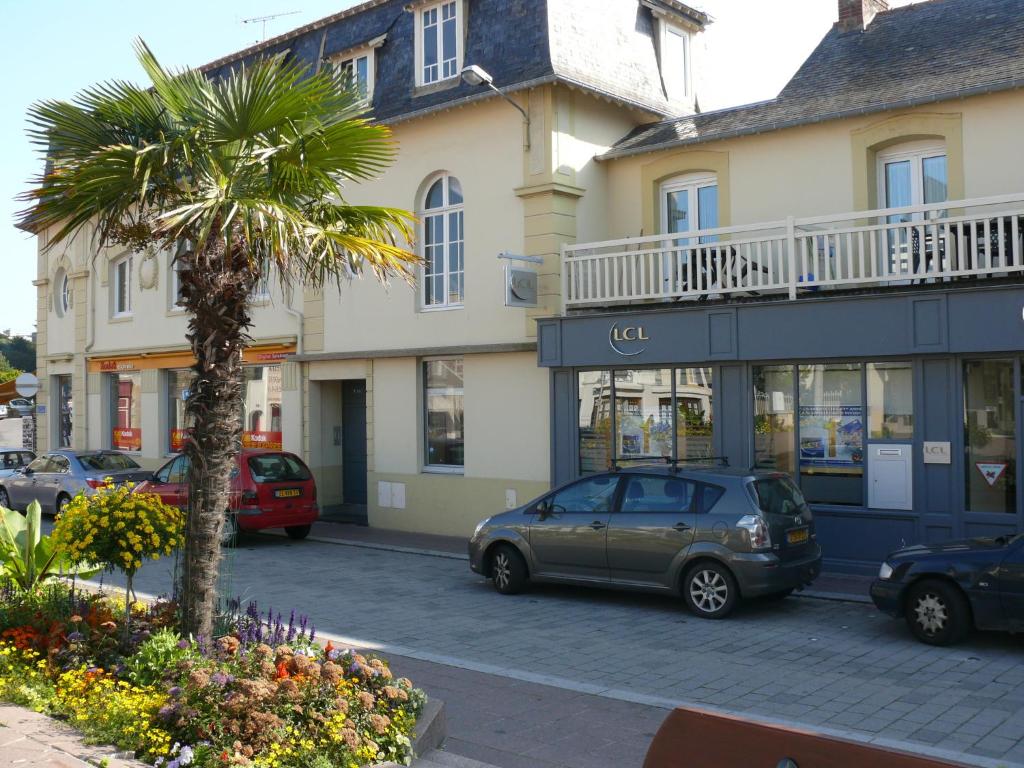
[[54, 48]]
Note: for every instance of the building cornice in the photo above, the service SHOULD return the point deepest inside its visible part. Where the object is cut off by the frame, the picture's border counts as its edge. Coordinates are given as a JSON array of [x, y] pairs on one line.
[[457, 349]]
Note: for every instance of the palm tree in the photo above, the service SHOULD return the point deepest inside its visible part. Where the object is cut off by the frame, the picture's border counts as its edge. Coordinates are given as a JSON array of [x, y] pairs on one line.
[[234, 175]]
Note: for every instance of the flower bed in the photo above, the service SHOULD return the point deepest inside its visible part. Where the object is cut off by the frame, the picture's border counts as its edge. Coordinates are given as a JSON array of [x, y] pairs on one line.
[[264, 695]]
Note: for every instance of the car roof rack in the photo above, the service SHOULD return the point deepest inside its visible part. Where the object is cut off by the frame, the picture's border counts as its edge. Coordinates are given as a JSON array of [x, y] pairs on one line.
[[674, 462]]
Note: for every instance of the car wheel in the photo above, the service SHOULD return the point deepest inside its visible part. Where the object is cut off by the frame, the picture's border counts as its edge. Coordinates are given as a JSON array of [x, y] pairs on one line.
[[938, 613], [5, 500], [229, 535], [710, 590], [508, 570], [62, 501], [298, 532]]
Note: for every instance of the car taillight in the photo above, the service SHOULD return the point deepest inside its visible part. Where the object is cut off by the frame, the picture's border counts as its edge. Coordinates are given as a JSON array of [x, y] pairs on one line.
[[250, 497], [93, 483], [757, 532]]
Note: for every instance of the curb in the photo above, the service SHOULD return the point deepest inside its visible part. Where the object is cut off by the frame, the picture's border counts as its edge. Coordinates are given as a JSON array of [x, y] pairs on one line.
[[372, 545], [813, 594]]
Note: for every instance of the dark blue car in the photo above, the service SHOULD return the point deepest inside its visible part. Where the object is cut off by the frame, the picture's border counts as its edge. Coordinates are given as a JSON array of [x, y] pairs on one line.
[[945, 590]]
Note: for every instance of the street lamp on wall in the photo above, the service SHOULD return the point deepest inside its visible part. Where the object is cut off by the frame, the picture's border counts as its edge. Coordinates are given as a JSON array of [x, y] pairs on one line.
[[475, 75]]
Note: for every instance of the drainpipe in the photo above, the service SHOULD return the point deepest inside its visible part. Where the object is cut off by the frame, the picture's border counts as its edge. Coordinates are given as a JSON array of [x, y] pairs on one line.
[[301, 317]]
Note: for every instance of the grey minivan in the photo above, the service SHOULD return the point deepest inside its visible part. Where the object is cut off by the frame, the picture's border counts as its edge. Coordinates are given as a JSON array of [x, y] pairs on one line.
[[711, 534]]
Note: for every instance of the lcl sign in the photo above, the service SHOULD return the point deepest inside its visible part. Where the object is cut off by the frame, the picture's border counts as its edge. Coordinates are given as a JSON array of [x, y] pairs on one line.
[[625, 340], [936, 453]]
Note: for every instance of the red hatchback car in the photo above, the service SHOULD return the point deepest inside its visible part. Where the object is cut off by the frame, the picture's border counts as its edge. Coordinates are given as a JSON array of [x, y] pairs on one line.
[[269, 489]]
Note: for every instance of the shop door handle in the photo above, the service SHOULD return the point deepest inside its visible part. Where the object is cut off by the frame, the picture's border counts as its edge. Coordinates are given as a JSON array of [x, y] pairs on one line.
[[681, 527], [597, 525]]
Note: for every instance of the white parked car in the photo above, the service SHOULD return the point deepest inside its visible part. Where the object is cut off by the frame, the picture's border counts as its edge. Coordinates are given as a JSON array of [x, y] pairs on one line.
[[14, 459], [19, 407]]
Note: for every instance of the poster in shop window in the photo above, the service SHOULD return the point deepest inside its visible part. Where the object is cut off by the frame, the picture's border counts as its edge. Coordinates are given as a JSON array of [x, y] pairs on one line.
[[178, 437], [831, 435], [269, 440], [126, 439]]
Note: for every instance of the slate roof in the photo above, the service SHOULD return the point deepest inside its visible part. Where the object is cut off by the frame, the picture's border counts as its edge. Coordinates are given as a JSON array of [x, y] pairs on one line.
[[916, 54], [521, 43]]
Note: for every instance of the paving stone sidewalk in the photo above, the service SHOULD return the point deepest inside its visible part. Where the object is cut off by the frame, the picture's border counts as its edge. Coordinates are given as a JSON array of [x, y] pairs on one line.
[[31, 740], [820, 663]]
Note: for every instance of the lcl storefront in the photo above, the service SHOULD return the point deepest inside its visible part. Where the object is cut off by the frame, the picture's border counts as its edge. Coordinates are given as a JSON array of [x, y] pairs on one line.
[[142, 399], [897, 413]]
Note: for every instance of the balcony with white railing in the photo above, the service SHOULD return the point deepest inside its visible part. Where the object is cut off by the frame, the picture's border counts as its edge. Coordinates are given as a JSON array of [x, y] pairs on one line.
[[980, 238]]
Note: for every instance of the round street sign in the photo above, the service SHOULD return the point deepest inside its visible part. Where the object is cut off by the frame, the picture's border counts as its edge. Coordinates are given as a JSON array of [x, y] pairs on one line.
[[26, 385]]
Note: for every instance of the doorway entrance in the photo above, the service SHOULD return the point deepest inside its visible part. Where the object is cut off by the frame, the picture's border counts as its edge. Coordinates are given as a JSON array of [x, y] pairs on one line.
[[353, 447]]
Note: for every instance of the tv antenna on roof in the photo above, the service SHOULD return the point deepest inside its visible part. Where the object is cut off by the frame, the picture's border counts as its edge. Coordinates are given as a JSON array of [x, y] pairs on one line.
[[264, 19]]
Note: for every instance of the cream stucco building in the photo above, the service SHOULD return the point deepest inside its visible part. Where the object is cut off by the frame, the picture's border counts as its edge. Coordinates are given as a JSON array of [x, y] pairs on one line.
[[816, 283]]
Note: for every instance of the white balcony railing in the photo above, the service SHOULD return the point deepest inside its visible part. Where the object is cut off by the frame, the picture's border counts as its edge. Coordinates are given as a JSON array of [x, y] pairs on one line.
[[980, 237]]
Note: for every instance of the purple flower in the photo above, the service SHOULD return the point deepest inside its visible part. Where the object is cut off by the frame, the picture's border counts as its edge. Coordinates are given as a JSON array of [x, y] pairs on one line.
[[174, 692], [183, 644], [333, 654], [75, 637], [167, 711], [220, 679], [355, 668]]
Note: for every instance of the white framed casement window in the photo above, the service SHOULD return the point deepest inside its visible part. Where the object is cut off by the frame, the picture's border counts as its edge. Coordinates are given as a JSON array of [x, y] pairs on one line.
[[689, 203], [913, 173], [357, 69], [443, 420], [674, 47], [438, 42], [121, 286], [261, 291], [443, 284], [174, 286]]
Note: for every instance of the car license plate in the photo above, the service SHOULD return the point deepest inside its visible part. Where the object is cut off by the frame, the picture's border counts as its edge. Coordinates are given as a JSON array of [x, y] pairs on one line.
[[287, 493], [799, 536]]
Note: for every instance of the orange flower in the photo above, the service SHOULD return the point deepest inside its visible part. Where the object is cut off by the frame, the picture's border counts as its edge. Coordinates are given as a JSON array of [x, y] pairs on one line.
[[328, 648], [282, 670]]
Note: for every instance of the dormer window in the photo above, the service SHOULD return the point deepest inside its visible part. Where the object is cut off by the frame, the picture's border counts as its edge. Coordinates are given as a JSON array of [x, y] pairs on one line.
[[675, 60], [439, 39], [356, 68]]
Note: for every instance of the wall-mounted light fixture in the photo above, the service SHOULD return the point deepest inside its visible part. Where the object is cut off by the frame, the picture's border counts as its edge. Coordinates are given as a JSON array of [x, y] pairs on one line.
[[474, 75]]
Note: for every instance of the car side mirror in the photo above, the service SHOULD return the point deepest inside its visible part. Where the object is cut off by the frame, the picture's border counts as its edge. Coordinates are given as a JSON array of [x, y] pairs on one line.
[[28, 471]]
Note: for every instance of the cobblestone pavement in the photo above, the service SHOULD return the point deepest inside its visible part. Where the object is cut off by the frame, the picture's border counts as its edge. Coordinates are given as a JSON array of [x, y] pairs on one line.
[[31, 740], [828, 664]]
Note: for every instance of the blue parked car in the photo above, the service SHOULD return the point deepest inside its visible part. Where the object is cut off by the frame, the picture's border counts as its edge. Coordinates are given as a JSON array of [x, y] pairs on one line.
[[945, 590]]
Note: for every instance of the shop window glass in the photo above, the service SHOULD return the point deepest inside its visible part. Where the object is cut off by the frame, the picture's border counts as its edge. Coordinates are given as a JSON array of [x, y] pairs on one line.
[[890, 401], [443, 417], [694, 418], [595, 421], [831, 433], [126, 411], [65, 407], [774, 425], [990, 435], [178, 384], [261, 393], [641, 431]]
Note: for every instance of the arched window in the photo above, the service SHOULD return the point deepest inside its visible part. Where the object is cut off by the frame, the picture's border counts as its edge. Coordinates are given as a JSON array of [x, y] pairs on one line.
[[443, 246], [255, 421], [62, 298]]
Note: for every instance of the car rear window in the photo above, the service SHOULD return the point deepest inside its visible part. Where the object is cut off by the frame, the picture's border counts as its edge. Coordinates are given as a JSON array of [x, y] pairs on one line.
[[777, 496], [107, 462], [277, 468]]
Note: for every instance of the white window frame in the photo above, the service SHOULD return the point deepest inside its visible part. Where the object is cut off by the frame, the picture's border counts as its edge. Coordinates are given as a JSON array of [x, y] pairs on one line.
[[666, 28], [443, 212], [450, 469], [174, 285], [62, 296], [261, 290], [437, 29], [916, 152], [115, 285], [691, 183], [349, 59]]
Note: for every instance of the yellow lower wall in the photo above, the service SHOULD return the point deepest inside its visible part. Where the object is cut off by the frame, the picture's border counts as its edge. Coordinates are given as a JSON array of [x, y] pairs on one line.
[[451, 505]]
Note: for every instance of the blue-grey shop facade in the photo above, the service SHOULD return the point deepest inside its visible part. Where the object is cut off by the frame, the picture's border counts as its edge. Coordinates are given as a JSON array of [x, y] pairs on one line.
[[898, 413]]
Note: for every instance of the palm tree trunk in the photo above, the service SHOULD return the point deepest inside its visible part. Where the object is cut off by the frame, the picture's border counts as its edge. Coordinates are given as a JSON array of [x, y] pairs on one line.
[[216, 288]]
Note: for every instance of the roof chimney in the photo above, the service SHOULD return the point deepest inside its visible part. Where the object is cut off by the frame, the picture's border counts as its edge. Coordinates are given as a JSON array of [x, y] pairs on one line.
[[857, 14]]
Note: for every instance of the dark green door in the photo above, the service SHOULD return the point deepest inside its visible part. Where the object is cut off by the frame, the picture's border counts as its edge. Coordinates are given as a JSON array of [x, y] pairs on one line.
[[353, 440]]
